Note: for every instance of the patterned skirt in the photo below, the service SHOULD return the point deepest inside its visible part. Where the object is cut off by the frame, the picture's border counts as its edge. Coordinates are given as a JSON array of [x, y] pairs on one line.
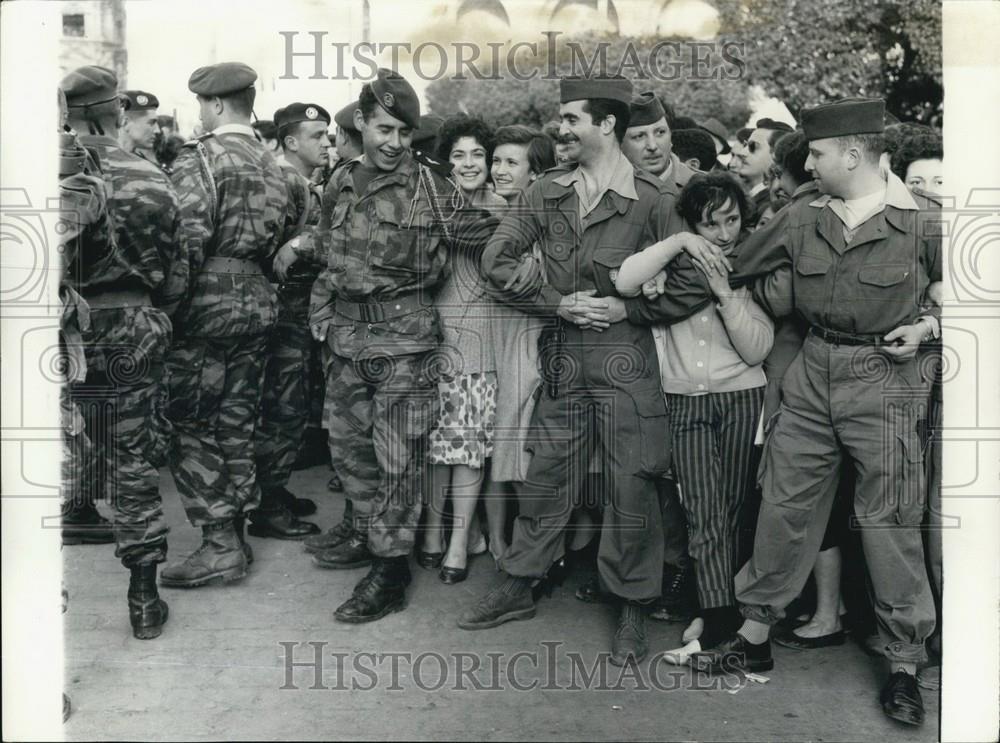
[[464, 430]]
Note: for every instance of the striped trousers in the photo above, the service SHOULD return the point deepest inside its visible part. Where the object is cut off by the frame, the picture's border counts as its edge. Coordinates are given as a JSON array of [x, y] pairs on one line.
[[712, 439]]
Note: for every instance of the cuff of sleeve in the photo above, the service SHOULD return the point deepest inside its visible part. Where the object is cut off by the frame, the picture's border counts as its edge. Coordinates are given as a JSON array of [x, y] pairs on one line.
[[550, 298]]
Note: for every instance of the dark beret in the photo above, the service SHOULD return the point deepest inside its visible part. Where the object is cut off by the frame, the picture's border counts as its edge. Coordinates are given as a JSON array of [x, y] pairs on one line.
[[717, 130], [614, 88], [88, 85], [140, 100], [221, 79], [396, 96], [296, 112], [344, 118], [430, 124], [645, 109], [844, 117]]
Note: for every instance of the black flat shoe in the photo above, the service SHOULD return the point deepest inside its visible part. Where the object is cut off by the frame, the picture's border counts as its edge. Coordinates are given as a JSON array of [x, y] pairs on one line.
[[450, 576], [734, 652], [591, 593], [429, 560], [797, 642], [901, 699]]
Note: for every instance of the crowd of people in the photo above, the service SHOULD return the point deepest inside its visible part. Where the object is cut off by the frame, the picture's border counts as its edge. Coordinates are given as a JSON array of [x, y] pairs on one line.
[[700, 363]]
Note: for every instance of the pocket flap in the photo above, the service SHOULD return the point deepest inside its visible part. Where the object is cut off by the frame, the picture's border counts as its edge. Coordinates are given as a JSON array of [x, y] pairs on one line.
[[886, 275], [810, 265]]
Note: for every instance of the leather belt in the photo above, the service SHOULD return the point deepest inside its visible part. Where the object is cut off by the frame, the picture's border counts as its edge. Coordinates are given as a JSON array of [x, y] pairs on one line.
[[838, 338], [232, 265], [115, 298], [372, 312]]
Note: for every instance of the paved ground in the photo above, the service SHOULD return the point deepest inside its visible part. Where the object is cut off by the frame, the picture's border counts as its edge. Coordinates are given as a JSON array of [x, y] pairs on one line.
[[219, 669]]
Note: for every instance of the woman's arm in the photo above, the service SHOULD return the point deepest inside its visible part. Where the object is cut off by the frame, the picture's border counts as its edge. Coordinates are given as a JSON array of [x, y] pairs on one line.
[[750, 329]]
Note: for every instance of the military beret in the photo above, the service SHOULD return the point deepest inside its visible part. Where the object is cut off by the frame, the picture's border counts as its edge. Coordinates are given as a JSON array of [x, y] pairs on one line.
[[88, 85], [140, 100], [645, 109], [844, 117], [613, 88], [430, 124], [396, 96], [221, 79], [718, 131], [344, 118], [296, 112]]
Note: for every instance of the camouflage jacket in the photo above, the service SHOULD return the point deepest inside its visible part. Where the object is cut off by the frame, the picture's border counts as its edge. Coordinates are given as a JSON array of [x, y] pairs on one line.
[[306, 201], [146, 216], [234, 204], [386, 243]]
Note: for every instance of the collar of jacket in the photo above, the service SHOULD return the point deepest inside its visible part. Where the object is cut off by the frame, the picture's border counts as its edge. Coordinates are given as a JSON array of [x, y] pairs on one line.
[[243, 129], [102, 139], [399, 176], [898, 201]]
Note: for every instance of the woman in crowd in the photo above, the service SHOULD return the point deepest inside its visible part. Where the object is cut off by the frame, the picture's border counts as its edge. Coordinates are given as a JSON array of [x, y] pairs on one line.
[[520, 155], [919, 162], [714, 382], [462, 440]]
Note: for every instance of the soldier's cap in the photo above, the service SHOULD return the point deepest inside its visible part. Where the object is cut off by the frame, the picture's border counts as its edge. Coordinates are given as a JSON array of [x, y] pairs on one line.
[[90, 85], [396, 96], [645, 109], [293, 113], [139, 100], [844, 117], [344, 118], [613, 88], [221, 79], [430, 125], [774, 126], [718, 131]]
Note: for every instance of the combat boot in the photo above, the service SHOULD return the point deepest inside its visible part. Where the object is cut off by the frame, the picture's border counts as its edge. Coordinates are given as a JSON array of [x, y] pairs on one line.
[[678, 601], [239, 524], [220, 557], [630, 641], [331, 537], [272, 519], [146, 610], [84, 525], [346, 556], [298, 506], [381, 592]]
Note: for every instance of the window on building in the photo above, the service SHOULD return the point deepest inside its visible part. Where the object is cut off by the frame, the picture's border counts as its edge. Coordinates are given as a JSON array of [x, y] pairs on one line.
[[73, 24]]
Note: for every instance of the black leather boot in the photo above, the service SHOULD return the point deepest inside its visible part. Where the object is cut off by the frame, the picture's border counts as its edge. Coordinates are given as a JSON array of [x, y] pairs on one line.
[[146, 610], [273, 519], [84, 525], [298, 506], [219, 558], [347, 555], [239, 525], [381, 592], [679, 600]]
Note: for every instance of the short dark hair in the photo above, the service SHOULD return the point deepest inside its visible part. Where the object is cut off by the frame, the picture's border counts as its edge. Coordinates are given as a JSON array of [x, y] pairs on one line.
[[367, 102], [684, 122], [241, 102], [709, 192], [287, 130], [354, 137], [927, 146], [742, 135], [696, 143], [600, 108], [871, 145], [540, 148], [896, 134], [790, 154], [265, 128], [462, 125]]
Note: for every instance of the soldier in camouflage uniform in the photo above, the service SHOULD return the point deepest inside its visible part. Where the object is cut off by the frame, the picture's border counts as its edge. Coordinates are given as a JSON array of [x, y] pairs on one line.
[[285, 404], [387, 221], [141, 127], [129, 335], [235, 209]]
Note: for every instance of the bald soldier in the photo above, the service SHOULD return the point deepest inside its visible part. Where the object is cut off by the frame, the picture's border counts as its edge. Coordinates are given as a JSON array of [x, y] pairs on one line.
[[141, 126], [301, 129], [130, 329], [236, 213]]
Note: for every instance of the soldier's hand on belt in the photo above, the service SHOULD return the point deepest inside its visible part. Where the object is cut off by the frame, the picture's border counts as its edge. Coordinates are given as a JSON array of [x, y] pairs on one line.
[[907, 339], [585, 310], [319, 330], [655, 286], [283, 260]]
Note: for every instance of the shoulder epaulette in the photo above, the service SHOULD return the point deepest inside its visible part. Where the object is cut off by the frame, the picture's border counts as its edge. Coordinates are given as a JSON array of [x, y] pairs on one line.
[[197, 140]]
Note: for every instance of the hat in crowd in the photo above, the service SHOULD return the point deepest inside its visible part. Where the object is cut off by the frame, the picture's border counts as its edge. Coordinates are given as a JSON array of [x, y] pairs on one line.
[[645, 109], [718, 131], [684, 122], [293, 113], [86, 86], [613, 88], [844, 117], [221, 79], [430, 124], [344, 118], [140, 100], [396, 96], [774, 126]]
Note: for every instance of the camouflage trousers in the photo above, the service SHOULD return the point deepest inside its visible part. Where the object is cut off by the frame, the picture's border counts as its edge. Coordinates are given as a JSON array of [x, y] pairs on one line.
[[288, 392], [379, 412], [123, 401], [215, 391]]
